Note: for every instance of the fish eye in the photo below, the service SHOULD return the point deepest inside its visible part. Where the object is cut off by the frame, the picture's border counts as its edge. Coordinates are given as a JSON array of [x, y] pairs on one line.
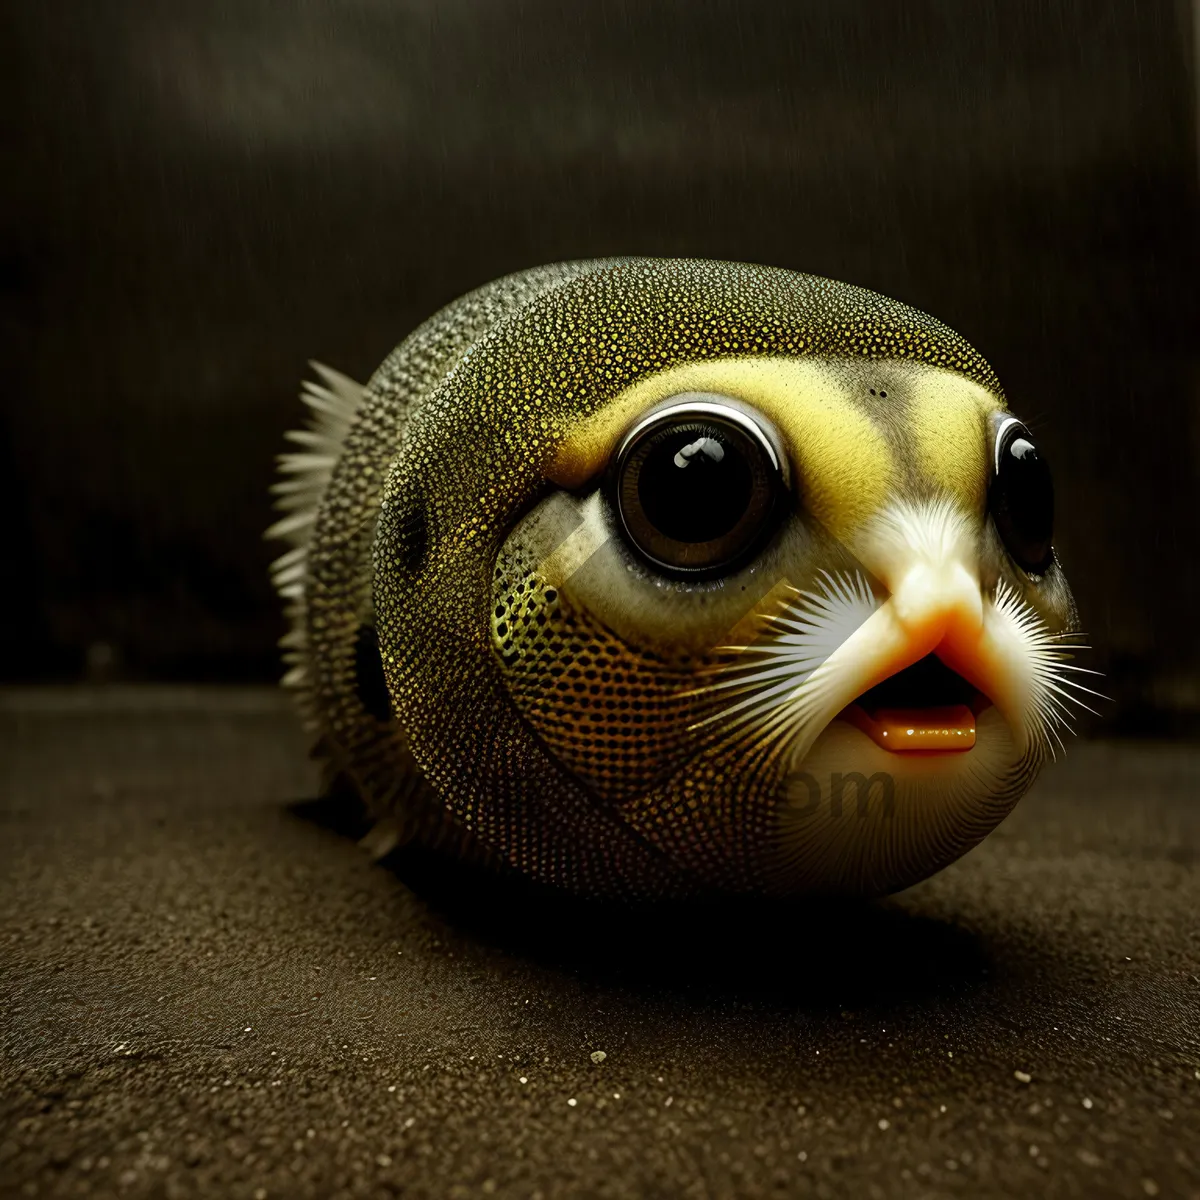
[[1021, 498], [697, 485]]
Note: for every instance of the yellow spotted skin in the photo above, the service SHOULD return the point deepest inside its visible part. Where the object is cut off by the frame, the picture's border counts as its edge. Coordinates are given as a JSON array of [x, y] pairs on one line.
[[553, 734]]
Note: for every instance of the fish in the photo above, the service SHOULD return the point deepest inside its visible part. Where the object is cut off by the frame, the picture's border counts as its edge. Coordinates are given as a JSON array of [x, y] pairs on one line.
[[658, 578]]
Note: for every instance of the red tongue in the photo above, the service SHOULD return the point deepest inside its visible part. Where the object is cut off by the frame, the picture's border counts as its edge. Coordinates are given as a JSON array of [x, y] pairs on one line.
[[906, 729]]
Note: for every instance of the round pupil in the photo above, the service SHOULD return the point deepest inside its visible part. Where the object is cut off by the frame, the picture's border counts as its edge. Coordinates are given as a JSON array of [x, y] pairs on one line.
[[696, 493], [1024, 506], [694, 484]]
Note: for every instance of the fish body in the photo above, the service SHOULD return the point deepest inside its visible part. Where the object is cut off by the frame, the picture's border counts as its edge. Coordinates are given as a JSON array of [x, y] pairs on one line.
[[621, 574]]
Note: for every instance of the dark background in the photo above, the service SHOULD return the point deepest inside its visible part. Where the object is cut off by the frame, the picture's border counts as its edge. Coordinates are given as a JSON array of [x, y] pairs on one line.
[[198, 197], [205, 988]]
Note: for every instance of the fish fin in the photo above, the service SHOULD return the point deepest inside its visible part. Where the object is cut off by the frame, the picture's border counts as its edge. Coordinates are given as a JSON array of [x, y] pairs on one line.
[[384, 837], [333, 401]]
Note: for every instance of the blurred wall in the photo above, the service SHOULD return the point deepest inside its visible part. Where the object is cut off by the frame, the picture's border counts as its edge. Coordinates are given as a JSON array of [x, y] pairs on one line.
[[201, 196]]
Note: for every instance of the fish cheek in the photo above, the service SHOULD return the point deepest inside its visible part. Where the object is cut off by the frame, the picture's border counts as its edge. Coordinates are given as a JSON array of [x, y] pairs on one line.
[[617, 717]]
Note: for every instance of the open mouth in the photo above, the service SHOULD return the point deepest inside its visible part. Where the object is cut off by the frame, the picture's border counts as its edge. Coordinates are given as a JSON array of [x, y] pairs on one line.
[[924, 709]]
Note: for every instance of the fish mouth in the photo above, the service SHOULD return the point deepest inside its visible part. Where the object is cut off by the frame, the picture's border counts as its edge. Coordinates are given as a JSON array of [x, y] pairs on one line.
[[925, 708]]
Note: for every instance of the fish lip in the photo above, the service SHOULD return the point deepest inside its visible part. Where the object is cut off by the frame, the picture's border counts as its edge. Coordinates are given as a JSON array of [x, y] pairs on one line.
[[855, 715]]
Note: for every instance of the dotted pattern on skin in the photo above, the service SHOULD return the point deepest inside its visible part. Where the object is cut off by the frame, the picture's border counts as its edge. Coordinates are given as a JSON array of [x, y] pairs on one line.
[[484, 434], [463, 421], [617, 717], [374, 754], [620, 718]]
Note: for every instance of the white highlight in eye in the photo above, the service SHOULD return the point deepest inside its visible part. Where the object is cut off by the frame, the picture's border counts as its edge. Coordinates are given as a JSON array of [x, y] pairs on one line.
[[998, 445], [707, 446]]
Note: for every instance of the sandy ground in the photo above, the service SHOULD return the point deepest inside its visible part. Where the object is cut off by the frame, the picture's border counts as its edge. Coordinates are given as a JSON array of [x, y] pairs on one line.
[[207, 989]]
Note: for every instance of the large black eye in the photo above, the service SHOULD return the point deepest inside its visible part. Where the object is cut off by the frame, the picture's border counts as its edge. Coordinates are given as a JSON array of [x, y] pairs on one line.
[[1022, 498], [696, 485]]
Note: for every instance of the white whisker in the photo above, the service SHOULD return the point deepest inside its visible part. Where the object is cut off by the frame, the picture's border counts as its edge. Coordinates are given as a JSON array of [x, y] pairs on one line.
[[771, 684], [1054, 690]]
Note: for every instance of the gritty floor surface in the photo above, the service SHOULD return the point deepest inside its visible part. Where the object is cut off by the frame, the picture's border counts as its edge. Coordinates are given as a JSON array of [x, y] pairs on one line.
[[208, 989]]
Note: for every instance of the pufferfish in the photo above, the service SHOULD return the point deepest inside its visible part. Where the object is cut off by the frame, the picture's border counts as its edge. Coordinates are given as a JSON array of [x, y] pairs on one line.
[[651, 578]]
